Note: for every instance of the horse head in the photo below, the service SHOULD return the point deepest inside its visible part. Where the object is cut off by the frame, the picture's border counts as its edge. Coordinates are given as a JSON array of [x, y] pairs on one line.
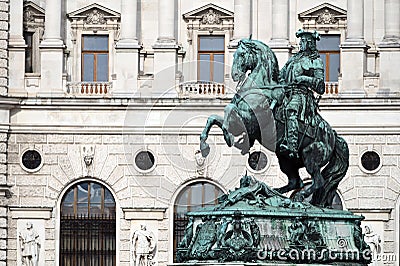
[[258, 58]]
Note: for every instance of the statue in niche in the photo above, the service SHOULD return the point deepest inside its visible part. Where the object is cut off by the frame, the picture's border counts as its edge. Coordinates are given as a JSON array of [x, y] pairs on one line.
[[30, 245], [143, 243], [373, 240]]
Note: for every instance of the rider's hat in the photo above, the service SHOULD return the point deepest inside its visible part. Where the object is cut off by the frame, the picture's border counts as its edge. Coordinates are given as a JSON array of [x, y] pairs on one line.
[[314, 35]]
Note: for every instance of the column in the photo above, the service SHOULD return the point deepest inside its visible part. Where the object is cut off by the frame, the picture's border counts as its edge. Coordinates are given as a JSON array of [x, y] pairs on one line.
[[390, 49], [165, 51], [51, 51], [17, 49], [354, 51], [280, 31], [127, 51], [242, 26]]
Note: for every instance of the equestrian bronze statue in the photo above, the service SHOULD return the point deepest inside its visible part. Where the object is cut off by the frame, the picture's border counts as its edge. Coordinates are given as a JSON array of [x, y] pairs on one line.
[[279, 110]]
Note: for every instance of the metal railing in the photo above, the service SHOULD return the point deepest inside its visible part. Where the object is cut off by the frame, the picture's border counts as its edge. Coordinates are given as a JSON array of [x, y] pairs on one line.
[[85, 88], [88, 240], [201, 89], [331, 88]]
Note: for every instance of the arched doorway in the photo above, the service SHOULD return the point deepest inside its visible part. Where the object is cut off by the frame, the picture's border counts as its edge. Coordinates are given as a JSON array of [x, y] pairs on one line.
[[88, 226], [192, 197]]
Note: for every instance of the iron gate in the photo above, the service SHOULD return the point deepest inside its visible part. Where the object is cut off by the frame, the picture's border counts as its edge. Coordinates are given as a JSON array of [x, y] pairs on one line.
[[88, 241]]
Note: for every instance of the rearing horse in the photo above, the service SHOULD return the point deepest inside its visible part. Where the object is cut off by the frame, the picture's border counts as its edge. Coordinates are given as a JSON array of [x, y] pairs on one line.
[[256, 112]]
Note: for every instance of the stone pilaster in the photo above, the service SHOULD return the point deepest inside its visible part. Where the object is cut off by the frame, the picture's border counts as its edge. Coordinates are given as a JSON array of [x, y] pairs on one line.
[[390, 49], [279, 42], [51, 50], [354, 50], [242, 21], [165, 50], [127, 51], [16, 49], [4, 126]]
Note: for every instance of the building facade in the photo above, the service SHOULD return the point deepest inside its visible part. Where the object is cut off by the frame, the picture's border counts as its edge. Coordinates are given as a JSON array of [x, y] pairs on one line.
[[103, 102]]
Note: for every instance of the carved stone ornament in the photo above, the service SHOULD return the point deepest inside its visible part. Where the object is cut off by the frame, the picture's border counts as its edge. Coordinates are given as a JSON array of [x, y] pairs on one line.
[[88, 154], [28, 16], [95, 17], [326, 17], [211, 18]]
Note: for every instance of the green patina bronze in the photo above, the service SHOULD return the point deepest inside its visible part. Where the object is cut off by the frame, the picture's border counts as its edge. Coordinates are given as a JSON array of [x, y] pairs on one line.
[[256, 224], [279, 110]]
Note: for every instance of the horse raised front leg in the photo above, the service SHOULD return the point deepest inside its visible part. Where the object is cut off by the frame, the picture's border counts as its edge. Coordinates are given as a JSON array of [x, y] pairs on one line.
[[211, 121]]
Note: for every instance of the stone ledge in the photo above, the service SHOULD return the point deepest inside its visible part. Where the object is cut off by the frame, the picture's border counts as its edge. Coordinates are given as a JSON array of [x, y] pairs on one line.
[[33, 213], [144, 213]]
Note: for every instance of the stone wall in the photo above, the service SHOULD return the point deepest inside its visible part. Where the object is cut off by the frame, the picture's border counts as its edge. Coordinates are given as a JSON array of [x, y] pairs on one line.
[[136, 191]]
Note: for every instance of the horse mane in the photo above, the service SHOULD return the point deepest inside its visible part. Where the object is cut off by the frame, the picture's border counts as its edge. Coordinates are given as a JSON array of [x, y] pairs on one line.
[[267, 58]]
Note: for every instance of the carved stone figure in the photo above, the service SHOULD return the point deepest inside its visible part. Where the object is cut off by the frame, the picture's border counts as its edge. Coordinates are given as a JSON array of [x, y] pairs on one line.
[[258, 111], [302, 73], [30, 245], [143, 243], [201, 167], [373, 240]]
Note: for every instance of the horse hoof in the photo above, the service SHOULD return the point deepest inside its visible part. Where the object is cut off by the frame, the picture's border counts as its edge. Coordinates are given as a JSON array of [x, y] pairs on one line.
[[205, 149], [299, 197]]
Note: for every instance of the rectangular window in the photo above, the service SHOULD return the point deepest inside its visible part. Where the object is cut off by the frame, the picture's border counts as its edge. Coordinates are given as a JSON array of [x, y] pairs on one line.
[[95, 58], [329, 50], [211, 57], [28, 36]]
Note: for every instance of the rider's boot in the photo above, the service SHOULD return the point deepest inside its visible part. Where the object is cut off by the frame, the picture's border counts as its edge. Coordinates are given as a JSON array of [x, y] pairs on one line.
[[290, 147]]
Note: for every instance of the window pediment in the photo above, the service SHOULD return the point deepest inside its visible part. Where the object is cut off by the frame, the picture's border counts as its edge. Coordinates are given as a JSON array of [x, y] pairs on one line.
[[33, 16], [324, 16], [94, 15], [208, 18], [209, 14]]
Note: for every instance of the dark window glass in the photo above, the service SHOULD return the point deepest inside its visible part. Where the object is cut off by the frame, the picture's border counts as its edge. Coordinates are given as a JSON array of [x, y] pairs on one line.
[[88, 226], [94, 58], [31, 159], [257, 160], [370, 160], [191, 198], [212, 43], [28, 36], [211, 58], [95, 43], [144, 160]]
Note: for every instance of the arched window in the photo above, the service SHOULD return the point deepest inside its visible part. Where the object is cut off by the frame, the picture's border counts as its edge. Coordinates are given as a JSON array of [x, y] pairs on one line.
[[337, 203], [191, 198], [88, 234]]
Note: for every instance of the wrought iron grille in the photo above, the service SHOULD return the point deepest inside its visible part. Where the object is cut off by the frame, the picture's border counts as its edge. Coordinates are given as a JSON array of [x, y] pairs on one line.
[[88, 240], [180, 222]]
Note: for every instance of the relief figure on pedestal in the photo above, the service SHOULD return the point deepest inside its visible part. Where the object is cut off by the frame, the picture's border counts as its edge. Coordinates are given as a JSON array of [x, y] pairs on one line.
[[30, 244]]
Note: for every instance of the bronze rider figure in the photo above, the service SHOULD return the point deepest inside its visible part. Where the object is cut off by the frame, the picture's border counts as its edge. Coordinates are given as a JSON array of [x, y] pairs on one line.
[[303, 73]]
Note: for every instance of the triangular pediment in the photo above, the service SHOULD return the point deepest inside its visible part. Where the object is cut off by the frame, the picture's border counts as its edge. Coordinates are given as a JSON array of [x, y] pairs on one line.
[[95, 13], [32, 12], [209, 14], [325, 14]]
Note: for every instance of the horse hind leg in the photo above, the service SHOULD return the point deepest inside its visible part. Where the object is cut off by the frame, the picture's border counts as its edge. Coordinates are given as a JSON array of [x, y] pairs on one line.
[[315, 156], [292, 173]]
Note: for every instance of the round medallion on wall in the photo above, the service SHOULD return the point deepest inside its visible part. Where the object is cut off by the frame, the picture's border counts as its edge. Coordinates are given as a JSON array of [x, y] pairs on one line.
[[145, 161], [257, 161], [31, 160], [370, 162]]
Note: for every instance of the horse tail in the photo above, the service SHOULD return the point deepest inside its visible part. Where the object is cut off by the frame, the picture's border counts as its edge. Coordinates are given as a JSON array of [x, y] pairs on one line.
[[333, 173]]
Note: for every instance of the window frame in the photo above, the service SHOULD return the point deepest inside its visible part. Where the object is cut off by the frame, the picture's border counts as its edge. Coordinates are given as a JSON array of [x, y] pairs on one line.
[[182, 217], [95, 53], [211, 53]]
